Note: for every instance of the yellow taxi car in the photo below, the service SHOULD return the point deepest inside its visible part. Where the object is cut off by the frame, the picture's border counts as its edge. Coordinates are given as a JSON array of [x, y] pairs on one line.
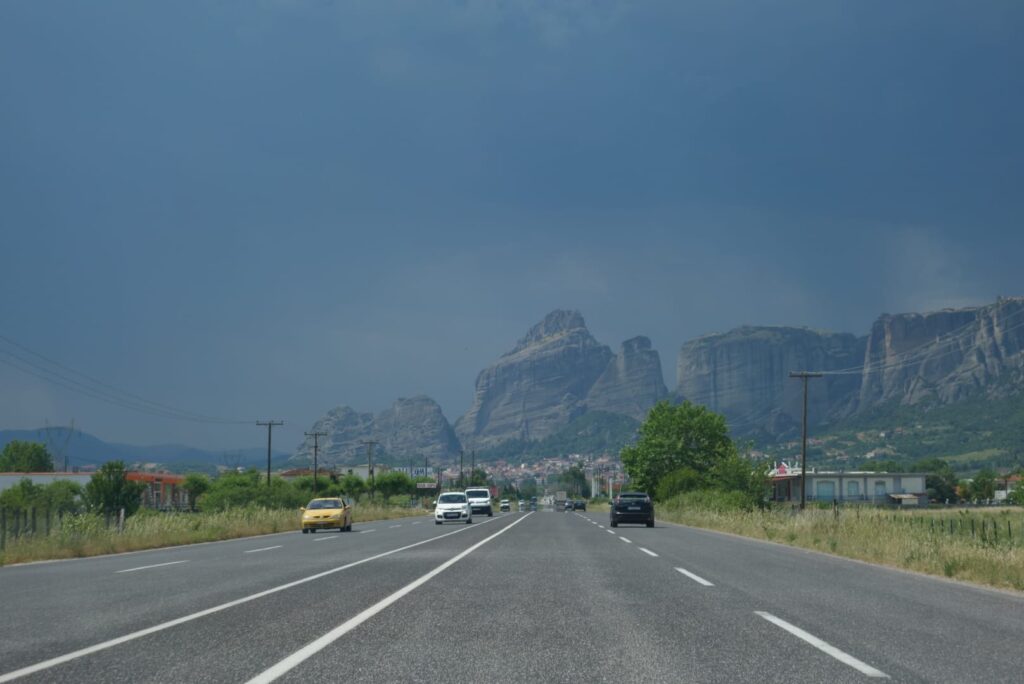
[[323, 514]]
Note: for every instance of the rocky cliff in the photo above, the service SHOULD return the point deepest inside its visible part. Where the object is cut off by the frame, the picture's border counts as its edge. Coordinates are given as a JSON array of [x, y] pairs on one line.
[[555, 373], [944, 356], [631, 383], [940, 357], [410, 428], [744, 374]]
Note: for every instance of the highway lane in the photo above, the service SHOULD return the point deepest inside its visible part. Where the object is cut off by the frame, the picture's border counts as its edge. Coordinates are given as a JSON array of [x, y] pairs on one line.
[[58, 607], [551, 597]]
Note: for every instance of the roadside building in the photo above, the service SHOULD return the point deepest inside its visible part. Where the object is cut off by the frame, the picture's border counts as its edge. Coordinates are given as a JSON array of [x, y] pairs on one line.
[[880, 489], [163, 491]]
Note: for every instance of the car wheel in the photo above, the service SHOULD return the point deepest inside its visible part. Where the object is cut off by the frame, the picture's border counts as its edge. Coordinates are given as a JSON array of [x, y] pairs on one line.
[[312, 531], [305, 531], [437, 522], [614, 523], [650, 523], [490, 512], [469, 521], [348, 528]]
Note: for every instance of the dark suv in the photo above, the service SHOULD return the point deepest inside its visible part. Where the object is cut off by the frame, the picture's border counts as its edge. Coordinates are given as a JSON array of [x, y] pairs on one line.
[[579, 505], [632, 507]]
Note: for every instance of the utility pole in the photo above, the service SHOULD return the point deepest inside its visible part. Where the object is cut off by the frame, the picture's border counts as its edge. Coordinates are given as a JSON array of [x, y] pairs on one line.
[[805, 376], [270, 428], [316, 445], [369, 451]]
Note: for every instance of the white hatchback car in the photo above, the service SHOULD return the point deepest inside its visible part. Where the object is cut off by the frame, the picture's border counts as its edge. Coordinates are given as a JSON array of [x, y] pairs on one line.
[[452, 507]]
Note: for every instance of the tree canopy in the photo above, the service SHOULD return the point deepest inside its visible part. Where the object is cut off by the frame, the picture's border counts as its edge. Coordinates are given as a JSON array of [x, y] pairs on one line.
[[25, 457], [109, 490], [676, 437]]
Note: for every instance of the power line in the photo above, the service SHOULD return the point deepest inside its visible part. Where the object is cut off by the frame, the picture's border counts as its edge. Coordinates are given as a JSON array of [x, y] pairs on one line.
[[64, 376]]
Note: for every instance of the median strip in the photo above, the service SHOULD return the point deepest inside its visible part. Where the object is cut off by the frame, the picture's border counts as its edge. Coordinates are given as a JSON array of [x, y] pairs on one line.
[[314, 647], [824, 646], [147, 567]]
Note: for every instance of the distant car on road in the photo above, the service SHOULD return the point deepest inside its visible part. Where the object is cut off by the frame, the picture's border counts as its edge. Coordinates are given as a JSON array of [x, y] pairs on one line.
[[522, 505], [567, 506], [480, 500], [453, 507], [579, 505], [324, 514], [505, 505], [632, 507]]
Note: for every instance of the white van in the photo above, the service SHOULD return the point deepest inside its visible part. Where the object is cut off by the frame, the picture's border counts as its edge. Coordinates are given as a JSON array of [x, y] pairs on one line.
[[480, 500]]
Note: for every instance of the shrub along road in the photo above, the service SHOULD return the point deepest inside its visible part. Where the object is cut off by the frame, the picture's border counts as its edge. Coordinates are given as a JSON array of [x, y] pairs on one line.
[[518, 597]]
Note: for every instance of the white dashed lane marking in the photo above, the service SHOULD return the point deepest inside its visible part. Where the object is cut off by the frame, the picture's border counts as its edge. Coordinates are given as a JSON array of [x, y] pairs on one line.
[[824, 646], [147, 567], [265, 548], [648, 552], [695, 578]]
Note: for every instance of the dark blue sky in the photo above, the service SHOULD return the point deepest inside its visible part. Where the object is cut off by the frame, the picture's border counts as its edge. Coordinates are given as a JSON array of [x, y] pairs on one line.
[[263, 209]]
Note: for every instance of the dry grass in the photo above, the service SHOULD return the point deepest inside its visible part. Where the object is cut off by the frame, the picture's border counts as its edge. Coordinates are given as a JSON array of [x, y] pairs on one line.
[[919, 541], [87, 535]]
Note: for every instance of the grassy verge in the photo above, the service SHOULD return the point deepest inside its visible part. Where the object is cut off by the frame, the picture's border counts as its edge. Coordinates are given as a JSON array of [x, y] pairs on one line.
[[87, 535], [943, 543]]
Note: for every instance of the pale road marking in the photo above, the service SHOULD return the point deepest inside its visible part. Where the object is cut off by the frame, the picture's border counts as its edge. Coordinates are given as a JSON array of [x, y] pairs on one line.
[[266, 548], [824, 646], [609, 532], [417, 522], [393, 527], [314, 647], [625, 540], [366, 531], [147, 567], [695, 578], [103, 645], [601, 526], [648, 552], [325, 538]]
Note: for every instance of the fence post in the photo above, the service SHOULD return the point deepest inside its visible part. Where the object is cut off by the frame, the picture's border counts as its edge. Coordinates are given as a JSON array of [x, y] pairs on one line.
[[33, 521], [17, 523], [972, 528], [3, 528], [120, 521], [1009, 531], [47, 521]]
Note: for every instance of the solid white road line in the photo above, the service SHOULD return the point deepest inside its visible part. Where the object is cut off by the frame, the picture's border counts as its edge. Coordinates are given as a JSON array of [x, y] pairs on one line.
[[314, 647], [625, 540], [147, 567], [103, 645], [695, 578], [265, 548], [823, 646], [648, 552]]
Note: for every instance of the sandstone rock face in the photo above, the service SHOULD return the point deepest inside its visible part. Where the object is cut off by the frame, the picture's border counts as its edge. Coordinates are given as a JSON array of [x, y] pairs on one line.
[[411, 428], [744, 374], [631, 383], [537, 387], [945, 355]]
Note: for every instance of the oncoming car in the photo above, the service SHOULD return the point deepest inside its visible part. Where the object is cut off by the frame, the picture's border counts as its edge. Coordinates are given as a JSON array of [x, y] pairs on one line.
[[323, 514], [452, 507], [505, 506]]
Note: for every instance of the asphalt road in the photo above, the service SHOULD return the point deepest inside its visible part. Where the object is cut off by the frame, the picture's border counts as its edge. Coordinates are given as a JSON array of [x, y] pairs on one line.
[[540, 597]]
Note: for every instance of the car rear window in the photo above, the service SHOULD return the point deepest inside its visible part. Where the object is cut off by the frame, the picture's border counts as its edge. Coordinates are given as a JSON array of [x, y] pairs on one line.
[[478, 493], [452, 498]]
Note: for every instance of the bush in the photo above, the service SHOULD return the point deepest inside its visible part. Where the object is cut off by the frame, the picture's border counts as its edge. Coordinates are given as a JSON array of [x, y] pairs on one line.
[[713, 500]]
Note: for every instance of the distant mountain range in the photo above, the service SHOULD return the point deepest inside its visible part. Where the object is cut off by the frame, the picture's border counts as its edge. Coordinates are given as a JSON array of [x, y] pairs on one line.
[[84, 451], [559, 391], [558, 373]]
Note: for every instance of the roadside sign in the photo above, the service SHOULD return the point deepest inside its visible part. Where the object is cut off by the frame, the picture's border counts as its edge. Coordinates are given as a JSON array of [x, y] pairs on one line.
[[426, 485]]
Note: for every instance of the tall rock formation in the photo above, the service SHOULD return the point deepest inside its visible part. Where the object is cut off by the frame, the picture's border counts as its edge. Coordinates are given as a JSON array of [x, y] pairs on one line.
[[944, 356], [631, 383], [537, 387], [410, 428], [744, 374]]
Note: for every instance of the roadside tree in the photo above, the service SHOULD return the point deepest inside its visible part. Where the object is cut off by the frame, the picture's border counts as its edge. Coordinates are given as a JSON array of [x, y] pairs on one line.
[[109, 490], [25, 457]]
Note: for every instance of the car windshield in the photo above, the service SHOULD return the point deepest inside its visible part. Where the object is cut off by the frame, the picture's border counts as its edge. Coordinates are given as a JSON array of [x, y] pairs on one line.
[[324, 503], [452, 498]]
